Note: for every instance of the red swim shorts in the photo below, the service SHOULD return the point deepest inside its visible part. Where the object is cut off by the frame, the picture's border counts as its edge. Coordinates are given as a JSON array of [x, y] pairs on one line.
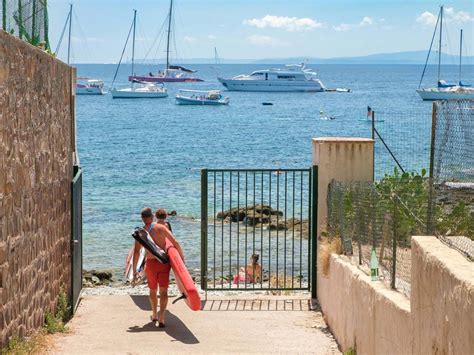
[[157, 273]]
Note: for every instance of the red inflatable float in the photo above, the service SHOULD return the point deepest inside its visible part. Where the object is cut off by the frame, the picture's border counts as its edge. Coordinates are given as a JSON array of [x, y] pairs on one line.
[[183, 279]]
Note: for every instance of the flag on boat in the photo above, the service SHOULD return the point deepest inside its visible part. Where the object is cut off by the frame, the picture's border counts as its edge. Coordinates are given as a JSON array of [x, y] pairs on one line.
[[369, 112]]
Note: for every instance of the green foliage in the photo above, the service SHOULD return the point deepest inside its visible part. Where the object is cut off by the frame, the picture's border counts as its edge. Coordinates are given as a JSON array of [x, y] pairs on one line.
[[18, 346], [350, 351], [55, 323], [460, 221], [406, 198]]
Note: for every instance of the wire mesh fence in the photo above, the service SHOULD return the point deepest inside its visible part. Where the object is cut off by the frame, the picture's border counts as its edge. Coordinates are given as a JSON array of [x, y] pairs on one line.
[[424, 184], [381, 216], [452, 170], [26, 19], [397, 147]]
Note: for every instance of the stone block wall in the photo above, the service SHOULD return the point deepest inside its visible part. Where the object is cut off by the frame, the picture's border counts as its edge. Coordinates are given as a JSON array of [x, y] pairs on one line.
[[36, 166]]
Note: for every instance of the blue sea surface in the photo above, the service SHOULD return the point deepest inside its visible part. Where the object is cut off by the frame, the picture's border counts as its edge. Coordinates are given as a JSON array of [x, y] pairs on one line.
[[149, 152]]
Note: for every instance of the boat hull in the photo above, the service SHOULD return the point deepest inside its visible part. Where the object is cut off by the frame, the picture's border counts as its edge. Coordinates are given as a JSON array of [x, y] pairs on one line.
[[432, 95], [181, 100], [158, 79], [89, 91], [272, 85], [129, 94]]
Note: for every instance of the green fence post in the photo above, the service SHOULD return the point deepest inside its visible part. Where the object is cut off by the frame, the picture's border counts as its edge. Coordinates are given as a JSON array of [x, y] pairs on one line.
[[204, 213], [429, 219], [314, 232], [394, 244], [4, 15]]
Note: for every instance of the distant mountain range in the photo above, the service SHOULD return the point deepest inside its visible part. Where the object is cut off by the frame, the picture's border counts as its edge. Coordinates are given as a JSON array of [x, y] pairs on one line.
[[412, 57]]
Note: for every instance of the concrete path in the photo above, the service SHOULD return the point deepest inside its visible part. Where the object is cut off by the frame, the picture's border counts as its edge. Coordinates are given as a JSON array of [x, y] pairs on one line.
[[119, 324]]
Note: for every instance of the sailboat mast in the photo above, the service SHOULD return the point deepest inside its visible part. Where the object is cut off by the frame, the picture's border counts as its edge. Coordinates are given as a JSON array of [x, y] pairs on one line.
[[460, 57], [133, 43], [169, 33], [69, 35], [440, 41]]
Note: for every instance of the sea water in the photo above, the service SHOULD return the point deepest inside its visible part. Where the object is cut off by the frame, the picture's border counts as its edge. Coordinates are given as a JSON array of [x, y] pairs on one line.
[[149, 152]]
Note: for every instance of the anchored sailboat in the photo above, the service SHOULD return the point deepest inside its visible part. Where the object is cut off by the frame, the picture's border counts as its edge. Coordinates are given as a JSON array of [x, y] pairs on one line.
[[137, 88], [444, 91], [172, 73], [84, 86]]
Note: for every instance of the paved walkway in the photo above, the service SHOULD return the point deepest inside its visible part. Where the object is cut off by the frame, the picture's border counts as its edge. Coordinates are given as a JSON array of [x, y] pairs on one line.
[[118, 324]]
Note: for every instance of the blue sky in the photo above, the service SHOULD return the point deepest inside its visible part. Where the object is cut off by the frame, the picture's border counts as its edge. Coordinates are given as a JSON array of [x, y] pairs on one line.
[[254, 29]]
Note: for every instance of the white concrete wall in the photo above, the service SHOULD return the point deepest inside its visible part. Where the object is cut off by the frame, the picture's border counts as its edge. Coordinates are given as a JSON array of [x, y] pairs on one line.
[[373, 319], [442, 298]]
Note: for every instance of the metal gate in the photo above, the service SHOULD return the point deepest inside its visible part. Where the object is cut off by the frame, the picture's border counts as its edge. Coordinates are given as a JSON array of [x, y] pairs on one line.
[[76, 237], [256, 229]]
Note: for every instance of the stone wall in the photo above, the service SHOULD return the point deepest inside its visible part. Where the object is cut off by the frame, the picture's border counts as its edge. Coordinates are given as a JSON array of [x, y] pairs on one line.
[[36, 159], [373, 319]]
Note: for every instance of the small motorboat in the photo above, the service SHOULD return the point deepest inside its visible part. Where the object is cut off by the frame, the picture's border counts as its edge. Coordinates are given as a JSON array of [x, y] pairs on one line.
[[140, 90], [201, 97]]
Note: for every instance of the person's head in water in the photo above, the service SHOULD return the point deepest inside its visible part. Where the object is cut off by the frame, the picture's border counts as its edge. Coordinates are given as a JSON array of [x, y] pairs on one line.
[[147, 215], [254, 259], [161, 213]]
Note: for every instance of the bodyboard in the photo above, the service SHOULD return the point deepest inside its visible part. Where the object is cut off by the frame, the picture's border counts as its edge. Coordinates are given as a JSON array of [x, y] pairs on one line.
[[129, 264], [144, 238], [184, 280]]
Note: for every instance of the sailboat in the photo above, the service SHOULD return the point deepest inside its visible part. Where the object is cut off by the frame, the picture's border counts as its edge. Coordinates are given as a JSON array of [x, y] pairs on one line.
[[444, 91], [137, 89], [172, 73], [84, 86]]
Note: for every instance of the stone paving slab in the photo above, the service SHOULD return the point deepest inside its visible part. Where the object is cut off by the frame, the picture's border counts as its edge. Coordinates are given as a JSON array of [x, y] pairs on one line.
[[119, 324]]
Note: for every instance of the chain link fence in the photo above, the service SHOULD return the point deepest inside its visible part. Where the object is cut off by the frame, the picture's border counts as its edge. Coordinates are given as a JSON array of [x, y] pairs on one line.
[[407, 150], [424, 184], [26, 19], [452, 171]]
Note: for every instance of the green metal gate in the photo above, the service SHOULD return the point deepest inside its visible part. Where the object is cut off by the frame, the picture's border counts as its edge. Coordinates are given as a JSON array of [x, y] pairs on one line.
[[76, 238], [263, 214]]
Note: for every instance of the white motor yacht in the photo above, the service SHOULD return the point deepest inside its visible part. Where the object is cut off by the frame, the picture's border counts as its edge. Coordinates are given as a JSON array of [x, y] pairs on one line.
[[291, 78]]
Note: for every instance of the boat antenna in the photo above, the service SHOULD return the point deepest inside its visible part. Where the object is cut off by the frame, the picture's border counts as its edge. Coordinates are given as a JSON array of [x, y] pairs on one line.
[[69, 36], [460, 57], [440, 41], [429, 51], [133, 43], [169, 33], [123, 51]]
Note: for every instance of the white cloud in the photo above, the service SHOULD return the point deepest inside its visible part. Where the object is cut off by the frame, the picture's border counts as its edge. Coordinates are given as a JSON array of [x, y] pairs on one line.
[[291, 24], [211, 37], [343, 27], [189, 39], [366, 21], [265, 40], [450, 15], [427, 18]]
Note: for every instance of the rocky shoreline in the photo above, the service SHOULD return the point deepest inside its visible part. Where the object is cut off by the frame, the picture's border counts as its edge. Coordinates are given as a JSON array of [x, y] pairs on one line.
[[264, 216]]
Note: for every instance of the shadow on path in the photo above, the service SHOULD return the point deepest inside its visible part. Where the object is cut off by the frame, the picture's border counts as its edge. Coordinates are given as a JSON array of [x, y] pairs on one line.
[[175, 328]]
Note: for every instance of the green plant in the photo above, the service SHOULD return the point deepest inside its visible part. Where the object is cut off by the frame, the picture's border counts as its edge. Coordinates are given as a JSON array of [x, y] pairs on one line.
[[459, 221], [55, 323], [350, 351]]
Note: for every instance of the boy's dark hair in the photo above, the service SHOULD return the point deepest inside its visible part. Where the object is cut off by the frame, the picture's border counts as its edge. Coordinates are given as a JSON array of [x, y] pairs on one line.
[[146, 212]]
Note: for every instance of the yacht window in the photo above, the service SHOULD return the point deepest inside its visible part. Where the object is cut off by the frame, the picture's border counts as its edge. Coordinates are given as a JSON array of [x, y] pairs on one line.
[[286, 77], [255, 74]]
